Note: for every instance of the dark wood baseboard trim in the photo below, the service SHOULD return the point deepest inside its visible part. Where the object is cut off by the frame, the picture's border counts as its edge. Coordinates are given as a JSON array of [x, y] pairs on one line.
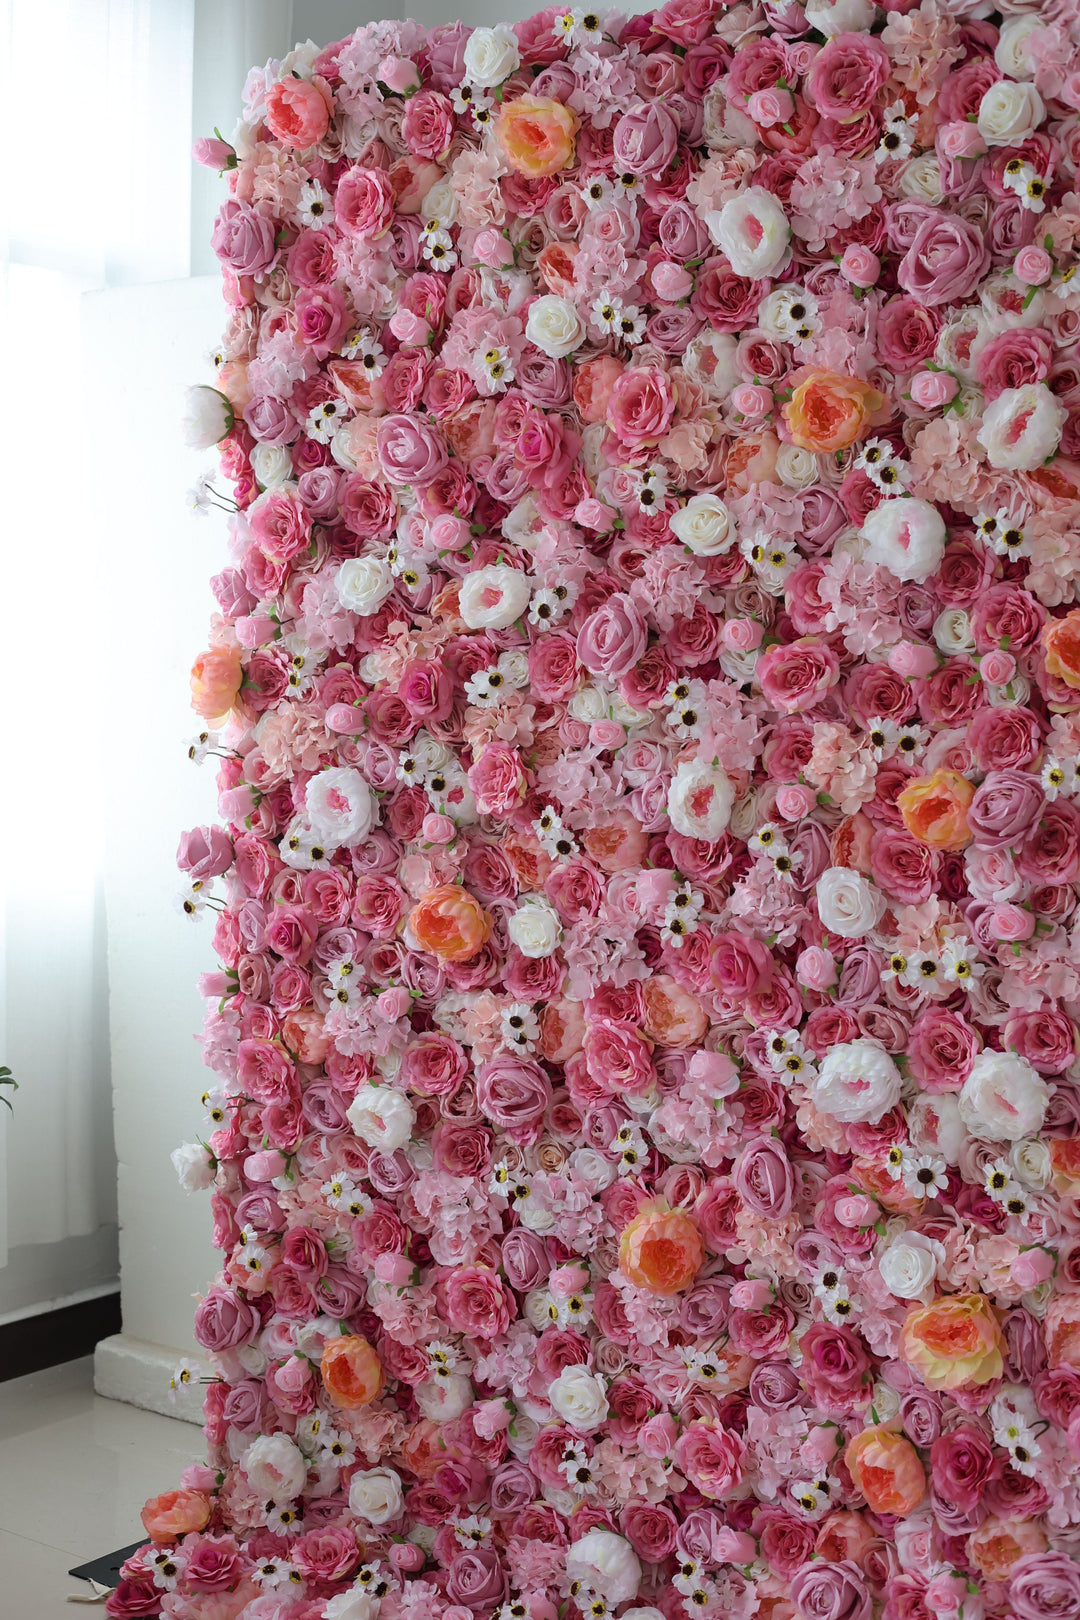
[[35, 1342]]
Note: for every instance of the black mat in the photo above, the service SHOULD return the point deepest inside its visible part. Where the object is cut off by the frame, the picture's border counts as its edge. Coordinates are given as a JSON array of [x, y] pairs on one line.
[[106, 1569]]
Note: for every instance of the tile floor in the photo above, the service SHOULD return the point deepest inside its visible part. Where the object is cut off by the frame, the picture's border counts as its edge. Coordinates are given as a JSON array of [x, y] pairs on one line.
[[74, 1472]]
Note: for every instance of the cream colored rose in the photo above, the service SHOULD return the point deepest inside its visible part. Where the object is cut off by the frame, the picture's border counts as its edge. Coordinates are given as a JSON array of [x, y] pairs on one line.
[[375, 1494], [554, 326], [491, 55], [535, 927], [363, 584], [579, 1398], [703, 525], [1009, 112]]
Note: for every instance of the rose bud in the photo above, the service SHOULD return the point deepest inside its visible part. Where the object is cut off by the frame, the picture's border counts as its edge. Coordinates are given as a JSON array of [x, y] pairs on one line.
[[398, 74], [491, 247], [671, 282], [816, 968], [409, 328], [1033, 266], [912, 661], [997, 667], [859, 265], [931, 389]]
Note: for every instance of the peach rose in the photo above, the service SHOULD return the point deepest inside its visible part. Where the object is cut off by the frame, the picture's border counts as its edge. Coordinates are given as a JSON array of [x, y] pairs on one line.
[[934, 809], [298, 112], [215, 681], [175, 1514], [996, 1545], [1061, 1326], [827, 411], [618, 845], [593, 382], [450, 923], [661, 1249], [886, 1468], [1061, 644], [536, 135], [352, 1373], [953, 1343], [1065, 1165], [673, 1016]]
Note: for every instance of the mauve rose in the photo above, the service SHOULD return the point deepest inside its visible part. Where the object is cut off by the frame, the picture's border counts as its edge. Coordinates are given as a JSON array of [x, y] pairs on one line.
[[1050, 852], [764, 1178], [613, 638], [835, 1368], [513, 1093], [920, 1415], [1005, 805], [646, 140], [903, 866], [224, 1321], [906, 332], [477, 1579], [650, 1529], [941, 1048], [1003, 738], [846, 75], [243, 239], [774, 1386], [204, 852], [1045, 1586], [961, 1464], [947, 259], [410, 451], [827, 1591]]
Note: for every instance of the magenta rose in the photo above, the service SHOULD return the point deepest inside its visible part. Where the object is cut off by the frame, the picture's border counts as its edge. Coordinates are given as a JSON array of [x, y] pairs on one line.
[[410, 450], [795, 675], [786, 1542], [711, 1457], [281, 526], [1004, 738], [213, 1563], [835, 1368], [243, 239], [265, 1072], [477, 1302], [962, 1463], [429, 124], [1050, 852], [554, 668], [947, 259], [740, 964], [619, 1057], [906, 333], [613, 638]]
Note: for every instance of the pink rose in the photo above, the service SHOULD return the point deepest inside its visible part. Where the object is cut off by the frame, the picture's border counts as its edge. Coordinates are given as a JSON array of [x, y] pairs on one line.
[[613, 638], [816, 968], [711, 1457], [243, 239], [764, 1178], [364, 203], [769, 107], [859, 265], [751, 401], [645, 141], [204, 852], [997, 667], [930, 390], [959, 141], [619, 1057], [671, 282], [795, 675], [398, 73], [429, 124], [947, 259], [513, 1093], [491, 247], [641, 405], [411, 451], [657, 1436], [912, 661], [835, 1368], [477, 1302], [846, 75], [498, 780], [1033, 265]]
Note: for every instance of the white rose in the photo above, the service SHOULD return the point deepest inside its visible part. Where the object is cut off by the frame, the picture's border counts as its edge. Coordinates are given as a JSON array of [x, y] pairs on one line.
[[753, 230], [375, 1495], [588, 703], [1022, 427], [920, 180], [906, 536], [841, 17], [271, 464], [856, 1083], [491, 55], [797, 468], [580, 1398], [521, 1435], [704, 525], [642, 1614], [444, 1399], [492, 598], [606, 1563], [207, 417], [885, 1401], [935, 1126], [1011, 54], [592, 1168], [363, 584], [909, 1265], [535, 927], [355, 1604], [1003, 1098], [1009, 112], [1031, 1162], [554, 326], [276, 1467], [700, 799], [952, 632], [341, 807], [194, 1166], [847, 903], [381, 1117]]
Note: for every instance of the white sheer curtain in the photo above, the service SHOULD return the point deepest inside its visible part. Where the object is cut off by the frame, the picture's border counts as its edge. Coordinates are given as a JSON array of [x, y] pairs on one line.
[[95, 116]]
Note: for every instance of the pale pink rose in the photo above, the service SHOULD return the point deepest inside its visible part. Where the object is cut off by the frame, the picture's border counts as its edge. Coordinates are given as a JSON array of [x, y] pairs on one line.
[[410, 328], [398, 74], [769, 107], [912, 661], [742, 635], [364, 203], [859, 265], [1033, 266], [753, 401], [960, 141], [932, 389], [794, 800], [672, 282], [997, 667]]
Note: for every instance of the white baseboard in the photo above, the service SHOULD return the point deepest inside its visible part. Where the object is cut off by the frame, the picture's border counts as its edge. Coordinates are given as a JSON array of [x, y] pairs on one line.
[[136, 1371]]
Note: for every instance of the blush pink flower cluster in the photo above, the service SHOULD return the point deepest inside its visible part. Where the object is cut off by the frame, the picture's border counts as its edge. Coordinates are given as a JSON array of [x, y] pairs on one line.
[[644, 1133]]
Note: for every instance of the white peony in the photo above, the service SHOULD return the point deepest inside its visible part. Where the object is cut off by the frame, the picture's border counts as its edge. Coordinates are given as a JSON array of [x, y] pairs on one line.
[[442, 1400], [606, 1563], [207, 418], [276, 1467], [382, 1117], [341, 807], [847, 903], [700, 799], [856, 1083], [492, 598], [1003, 1099], [491, 55], [704, 525], [1009, 113], [908, 1265], [375, 1494], [535, 927], [1022, 427], [840, 16], [935, 1126], [554, 326], [194, 1166], [363, 584], [906, 536], [753, 230], [580, 1398]]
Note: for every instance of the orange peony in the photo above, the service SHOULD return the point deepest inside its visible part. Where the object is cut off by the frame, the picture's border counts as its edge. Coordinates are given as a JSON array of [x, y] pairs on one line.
[[827, 411], [953, 1343], [886, 1468], [1061, 646], [175, 1514], [996, 1545], [661, 1249], [352, 1373], [215, 682], [536, 135], [450, 923], [935, 809]]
